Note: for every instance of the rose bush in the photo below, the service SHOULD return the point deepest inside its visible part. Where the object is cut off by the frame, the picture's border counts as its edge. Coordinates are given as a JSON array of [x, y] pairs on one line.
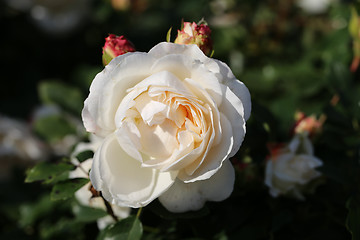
[[292, 167], [170, 120]]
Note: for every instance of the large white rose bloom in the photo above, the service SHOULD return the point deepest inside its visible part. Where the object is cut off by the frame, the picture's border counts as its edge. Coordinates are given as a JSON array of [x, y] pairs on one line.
[[294, 166], [170, 120]]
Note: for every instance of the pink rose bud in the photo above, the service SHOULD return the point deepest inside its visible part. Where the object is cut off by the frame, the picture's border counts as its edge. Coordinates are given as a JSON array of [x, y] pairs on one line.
[[193, 33], [309, 124], [116, 46]]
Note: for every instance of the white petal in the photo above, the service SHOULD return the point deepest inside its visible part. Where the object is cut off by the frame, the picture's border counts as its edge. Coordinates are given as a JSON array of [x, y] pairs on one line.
[[205, 97], [184, 67], [158, 141], [109, 88], [183, 197], [232, 108], [242, 92], [152, 112], [268, 173], [165, 79], [179, 65], [225, 76], [164, 48], [128, 136], [215, 157], [301, 144], [122, 179]]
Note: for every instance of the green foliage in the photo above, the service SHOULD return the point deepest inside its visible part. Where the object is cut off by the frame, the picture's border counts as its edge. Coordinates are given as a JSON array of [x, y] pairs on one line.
[[126, 229], [168, 35], [66, 96], [48, 172], [66, 189], [44, 127], [84, 155], [87, 214]]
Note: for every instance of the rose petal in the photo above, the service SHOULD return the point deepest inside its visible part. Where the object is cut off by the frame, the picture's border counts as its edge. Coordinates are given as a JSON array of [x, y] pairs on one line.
[[122, 179], [182, 197], [242, 92], [167, 80], [232, 108], [184, 68], [225, 76], [128, 136], [301, 144], [109, 88], [215, 157], [158, 141], [164, 49]]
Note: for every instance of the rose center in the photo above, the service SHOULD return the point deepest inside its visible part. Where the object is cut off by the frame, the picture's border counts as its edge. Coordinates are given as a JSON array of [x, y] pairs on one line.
[[167, 122]]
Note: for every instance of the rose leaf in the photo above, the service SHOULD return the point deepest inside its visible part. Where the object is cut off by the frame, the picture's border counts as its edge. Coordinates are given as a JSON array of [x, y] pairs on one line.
[[66, 189], [87, 214], [48, 172], [126, 229]]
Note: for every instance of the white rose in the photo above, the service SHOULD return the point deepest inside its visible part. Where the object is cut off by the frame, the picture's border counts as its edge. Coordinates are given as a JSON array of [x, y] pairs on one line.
[[314, 6], [292, 167], [84, 196], [170, 119]]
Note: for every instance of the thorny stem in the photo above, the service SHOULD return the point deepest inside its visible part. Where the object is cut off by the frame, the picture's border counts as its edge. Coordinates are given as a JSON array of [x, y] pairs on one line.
[[109, 208]]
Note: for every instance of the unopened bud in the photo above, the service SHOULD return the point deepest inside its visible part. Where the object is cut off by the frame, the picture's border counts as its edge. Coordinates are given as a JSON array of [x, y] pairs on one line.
[[198, 34], [116, 46], [309, 124]]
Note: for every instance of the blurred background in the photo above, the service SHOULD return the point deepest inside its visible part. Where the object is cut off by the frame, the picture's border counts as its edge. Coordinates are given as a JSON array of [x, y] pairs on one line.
[[291, 54]]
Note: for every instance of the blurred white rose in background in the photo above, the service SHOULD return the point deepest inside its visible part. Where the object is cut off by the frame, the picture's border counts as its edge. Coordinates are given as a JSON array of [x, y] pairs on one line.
[[315, 6], [290, 168], [18, 145]]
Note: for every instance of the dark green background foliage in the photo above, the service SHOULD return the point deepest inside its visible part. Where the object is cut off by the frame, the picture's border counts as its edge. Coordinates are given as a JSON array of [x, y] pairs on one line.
[[289, 60]]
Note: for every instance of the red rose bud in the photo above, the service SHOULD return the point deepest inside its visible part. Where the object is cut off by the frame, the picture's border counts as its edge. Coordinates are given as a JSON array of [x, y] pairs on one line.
[[193, 33], [116, 46]]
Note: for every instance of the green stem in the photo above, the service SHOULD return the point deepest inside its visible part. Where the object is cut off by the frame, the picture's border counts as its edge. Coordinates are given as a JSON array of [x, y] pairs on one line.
[[109, 208], [139, 212]]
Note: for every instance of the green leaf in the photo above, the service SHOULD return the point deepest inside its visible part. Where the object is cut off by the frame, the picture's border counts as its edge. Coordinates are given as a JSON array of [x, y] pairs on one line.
[[87, 214], [353, 218], [68, 97], [48, 172], [45, 127], [126, 229], [212, 53], [85, 155], [168, 35], [66, 189]]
